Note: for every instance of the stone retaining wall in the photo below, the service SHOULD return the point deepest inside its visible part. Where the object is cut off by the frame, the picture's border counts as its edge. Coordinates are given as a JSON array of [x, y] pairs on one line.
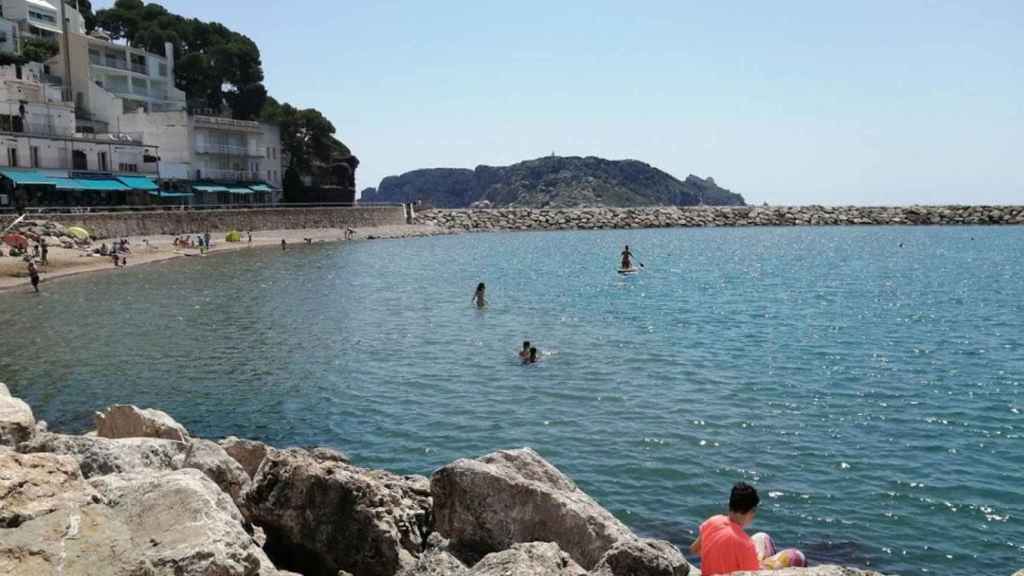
[[121, 224], [663, 217]]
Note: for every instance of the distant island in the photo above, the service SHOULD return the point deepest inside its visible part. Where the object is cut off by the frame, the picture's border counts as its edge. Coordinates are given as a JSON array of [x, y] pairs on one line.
[[552, 182]]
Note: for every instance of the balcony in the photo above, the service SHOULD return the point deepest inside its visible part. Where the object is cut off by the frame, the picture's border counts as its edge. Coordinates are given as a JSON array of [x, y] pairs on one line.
[[227, 123], [229, 150], [230, 175]]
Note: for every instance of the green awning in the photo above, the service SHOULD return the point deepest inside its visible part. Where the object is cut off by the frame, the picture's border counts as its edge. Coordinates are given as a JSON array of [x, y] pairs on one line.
[[209, 188], [138, 182], [261, 188], [239, 190], [88, 184], [165, 194], [28, 178]]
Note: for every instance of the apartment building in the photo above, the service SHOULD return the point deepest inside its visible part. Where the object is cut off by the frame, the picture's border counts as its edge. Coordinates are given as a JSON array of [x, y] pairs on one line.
[[40, 18]]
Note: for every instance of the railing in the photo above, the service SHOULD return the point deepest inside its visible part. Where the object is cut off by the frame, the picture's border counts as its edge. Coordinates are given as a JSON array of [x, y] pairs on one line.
[[229, 150], [227, 122], [239, 175], [196, 207]]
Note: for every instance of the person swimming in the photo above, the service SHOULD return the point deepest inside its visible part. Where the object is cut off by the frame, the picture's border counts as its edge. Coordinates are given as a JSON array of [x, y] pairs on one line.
[[524, 354], [531, 357], [479, 297], [626, 258]]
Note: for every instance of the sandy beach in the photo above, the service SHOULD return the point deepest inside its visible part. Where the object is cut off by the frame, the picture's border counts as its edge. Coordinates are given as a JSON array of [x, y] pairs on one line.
[[64, 263]]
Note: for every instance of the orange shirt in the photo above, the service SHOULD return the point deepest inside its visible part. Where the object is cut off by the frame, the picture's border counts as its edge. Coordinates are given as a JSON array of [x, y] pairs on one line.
[[725, 547]]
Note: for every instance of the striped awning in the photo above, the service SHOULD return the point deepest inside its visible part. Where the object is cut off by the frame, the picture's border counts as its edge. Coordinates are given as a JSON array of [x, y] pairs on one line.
[[138, 182], [28, 178], [89, 184], [209, 188], [239, 190]]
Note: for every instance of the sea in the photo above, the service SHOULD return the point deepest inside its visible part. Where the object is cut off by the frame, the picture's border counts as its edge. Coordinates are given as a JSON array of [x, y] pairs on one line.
[[867, 380]]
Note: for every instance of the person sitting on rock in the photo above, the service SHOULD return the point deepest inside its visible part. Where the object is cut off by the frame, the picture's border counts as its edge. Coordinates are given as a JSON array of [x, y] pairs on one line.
[[724, 547]]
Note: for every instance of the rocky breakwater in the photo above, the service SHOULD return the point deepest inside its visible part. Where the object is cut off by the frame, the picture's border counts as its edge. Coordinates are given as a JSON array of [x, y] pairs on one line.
[[708, 216], [141, 495]]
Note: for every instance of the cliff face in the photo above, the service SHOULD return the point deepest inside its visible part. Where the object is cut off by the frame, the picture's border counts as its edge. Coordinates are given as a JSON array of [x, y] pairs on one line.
[[552, 182]]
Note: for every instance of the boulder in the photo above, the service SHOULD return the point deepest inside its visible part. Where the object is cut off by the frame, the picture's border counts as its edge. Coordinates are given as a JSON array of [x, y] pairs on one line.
[[436, 562], [34, 485], [823, 570], [531, 559], [322, 516], [174, 523], [125, 421], [218, 466], [101, 456], [515, 496], [643, 558], [248, 453], [17, 423]]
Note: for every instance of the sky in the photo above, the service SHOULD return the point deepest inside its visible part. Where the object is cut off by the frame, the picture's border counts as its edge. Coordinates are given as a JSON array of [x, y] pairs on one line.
[[786, 102]]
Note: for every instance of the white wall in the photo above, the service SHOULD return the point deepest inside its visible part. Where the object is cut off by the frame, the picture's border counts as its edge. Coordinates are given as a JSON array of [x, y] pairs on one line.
[[56, 154]]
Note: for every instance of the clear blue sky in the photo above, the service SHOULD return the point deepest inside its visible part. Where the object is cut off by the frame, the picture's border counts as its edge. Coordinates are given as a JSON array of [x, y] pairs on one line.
[[865, 102]]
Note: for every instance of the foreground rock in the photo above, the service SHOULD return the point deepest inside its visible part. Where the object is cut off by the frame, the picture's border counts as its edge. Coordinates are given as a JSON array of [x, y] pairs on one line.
[[515, 496], [248, 453], [17, 424], [643, 558], [824, 570], [323, 515], [218, 466], [100, 456], [436, 562], [532, 559], [125, 421], [161, 524]]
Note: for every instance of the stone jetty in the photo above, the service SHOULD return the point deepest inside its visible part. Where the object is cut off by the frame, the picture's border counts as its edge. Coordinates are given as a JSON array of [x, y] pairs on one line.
[[143, 496], [712, 216]]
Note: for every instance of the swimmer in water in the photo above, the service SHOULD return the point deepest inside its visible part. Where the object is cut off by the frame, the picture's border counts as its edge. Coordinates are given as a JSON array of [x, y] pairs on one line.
[[533, 357], [626, 256], [479, 297], [524, 354]]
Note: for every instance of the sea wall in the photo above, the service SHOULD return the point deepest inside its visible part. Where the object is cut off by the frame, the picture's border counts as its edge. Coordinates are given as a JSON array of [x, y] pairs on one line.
[[667, 217], [121, 224]]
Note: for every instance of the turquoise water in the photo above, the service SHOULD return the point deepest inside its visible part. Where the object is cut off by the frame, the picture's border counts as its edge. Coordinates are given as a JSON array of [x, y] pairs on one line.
[[871, 391]]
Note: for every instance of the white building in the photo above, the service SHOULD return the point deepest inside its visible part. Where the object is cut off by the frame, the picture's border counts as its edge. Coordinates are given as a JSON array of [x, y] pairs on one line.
[[40, 18], [44, 160]]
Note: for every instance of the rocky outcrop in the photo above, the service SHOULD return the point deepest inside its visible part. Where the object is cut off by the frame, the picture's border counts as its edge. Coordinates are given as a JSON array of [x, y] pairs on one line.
[[643, 558], [248, 453], [173, 523], [704, 216], [209, 458], [551, 182], [515, 496], [125, 421], [530, 559], [321, 516], [436, 562], [17, 424]]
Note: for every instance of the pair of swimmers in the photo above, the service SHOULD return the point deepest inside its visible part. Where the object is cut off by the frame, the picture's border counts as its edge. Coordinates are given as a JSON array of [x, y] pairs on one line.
[[529, 354]]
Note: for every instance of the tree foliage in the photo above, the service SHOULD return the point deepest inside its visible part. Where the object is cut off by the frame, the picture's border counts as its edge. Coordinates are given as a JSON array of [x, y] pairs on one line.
[[38, 49], [306, 135], [215, 65]]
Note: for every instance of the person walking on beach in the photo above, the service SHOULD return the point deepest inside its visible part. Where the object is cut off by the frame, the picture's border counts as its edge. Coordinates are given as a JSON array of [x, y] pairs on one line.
[[724, 547], [479, 297], [284, 245], [250, 236], [33, 275], [46, 254]]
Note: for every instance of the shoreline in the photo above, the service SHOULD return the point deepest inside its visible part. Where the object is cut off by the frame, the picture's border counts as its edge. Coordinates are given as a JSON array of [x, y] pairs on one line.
[[71, 263]]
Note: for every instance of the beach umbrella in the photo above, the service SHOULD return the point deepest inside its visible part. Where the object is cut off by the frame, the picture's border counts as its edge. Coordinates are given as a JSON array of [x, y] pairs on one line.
[[233, 236], [78, 232], [16, 241]]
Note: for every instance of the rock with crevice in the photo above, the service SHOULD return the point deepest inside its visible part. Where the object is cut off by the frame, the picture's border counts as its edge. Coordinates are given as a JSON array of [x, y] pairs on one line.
[[17, 423], [515, 496], [100, 456], [436, 562], [322, 516], [127, 421], [208, 457], [34, 485], [176, 523], [529, 559]]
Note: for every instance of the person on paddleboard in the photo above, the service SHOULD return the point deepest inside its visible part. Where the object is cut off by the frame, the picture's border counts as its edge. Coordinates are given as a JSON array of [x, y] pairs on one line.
[[627, 263]]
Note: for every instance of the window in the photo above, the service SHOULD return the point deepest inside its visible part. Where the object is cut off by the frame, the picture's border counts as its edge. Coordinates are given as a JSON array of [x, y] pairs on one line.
[[101, 161], [79, 161], [41, 16], [268, 175], [34, 153], [127, 167], [12, 157], [163, 69]]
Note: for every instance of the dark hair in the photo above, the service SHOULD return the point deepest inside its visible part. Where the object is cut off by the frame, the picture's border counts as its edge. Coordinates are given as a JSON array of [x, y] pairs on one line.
[[743, 498], [526, 345], [533, 353], [480, 287]]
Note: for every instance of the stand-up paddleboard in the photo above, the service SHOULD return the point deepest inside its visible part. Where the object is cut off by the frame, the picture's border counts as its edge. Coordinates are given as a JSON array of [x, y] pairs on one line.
[[628, 270]]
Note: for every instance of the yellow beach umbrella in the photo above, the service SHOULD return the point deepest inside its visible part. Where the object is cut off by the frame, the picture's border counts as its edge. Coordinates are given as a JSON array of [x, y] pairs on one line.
[[233, 236], [78, 232]]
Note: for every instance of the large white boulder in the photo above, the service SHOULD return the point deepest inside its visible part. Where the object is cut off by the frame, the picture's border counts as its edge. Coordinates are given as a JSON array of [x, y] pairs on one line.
[[126, 421], [17, 423]]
